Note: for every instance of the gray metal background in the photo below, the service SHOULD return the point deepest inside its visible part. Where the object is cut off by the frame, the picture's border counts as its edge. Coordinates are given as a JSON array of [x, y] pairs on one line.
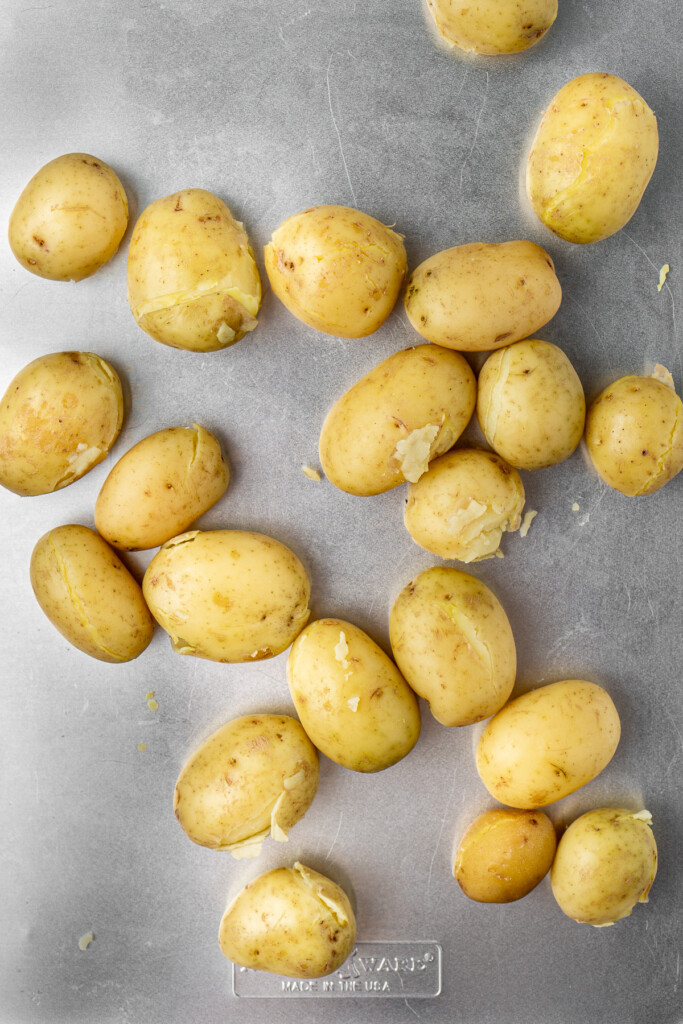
[[277, 106]]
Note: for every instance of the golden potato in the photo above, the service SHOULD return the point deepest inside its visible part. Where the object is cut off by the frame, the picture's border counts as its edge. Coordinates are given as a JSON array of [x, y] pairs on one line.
[[489, 26]]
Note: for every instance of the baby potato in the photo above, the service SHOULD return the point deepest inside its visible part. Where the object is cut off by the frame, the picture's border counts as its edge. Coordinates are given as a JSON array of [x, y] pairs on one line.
[[606, 862], [463, 504], [592, 158], [504, 854], [227, 595], [453, 643], [481, 296], [530, 404], [70, 218], [409, 409], [336, 269], [548, 743], [255, 776], [352, 701], [88, 594], [289, 921], [193, 282], [58, 418], [488, 26]]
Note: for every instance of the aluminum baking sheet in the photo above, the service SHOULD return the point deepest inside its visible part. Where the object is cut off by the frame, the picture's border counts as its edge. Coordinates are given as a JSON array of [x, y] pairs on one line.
[[276, 106]]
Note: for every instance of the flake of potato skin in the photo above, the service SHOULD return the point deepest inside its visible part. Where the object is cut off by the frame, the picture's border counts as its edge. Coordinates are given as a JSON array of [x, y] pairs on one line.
[[662, 374], [153, 705], [86, 940], [311, 473], [662, 276], [142, 747], [529, 516]]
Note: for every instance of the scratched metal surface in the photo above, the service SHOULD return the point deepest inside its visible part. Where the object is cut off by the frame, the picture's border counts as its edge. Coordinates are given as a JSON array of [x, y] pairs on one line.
[[276, 106]]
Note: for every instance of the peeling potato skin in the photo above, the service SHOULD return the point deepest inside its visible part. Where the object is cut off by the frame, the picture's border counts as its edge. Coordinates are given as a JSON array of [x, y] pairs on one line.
[[489, 27]]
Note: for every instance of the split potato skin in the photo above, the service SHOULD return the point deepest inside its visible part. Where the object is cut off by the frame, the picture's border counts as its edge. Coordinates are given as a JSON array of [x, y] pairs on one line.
[[487, 26]]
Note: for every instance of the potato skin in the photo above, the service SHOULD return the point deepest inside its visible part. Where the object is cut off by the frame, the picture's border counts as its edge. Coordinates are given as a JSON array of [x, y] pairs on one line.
[[487, 26], [481, 296]]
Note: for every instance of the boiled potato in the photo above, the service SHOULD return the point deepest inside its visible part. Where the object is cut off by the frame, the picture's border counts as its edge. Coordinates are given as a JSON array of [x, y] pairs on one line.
[[336, 269], [193, 282], [409, 409], [290, 921], [227, 595], [606, 862], [530, 404], [634, 433], [255, 776], [352, 701], [481, 296], [70, 218], [548, 743], [453, 643], [592, 158], [160, 487], [88, 594], [463, 504], [504, 854], [58, 418], [489, 26]]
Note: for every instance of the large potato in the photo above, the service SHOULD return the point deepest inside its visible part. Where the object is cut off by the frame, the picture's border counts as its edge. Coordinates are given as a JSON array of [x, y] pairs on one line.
[[193, 282], [489, 26], [481, 296], [409, 409], [58, 418], [547, 743], [592, 158], [352, 701], [336, 269]]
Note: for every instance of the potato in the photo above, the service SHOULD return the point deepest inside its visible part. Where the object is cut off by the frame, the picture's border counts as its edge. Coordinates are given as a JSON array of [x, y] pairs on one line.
[[58, 418], [489, 26], [453, 643], [463, 504], [409, 409], [592, 158], [70, 218], [548, 743], [289, 921], [634, 433], [193, 282], [530, 404], [160, 487], [480, 296], [504, 854], [606, 862], [227, 595], [336, 269], [88, 594], [255, 776], [352, 701]]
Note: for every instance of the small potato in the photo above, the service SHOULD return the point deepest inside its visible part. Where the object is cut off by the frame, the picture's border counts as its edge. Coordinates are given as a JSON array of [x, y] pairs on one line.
[[58, 418], [289, 921], [193, 282], [255, 776], [88, 594], [409, 409], [70, 218], [480, 296], [504, 854], [606, 862], [352, 701], [227, 595], [530, 404], [592, 158], [548, 743], [336, 269], [463, 504], [489, 26], [453, 643]]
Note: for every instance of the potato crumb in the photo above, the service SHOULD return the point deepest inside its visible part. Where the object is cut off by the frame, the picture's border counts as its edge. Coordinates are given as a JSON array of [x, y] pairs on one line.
[[85, 940], [152, 705], [341, 650], [412, 453], [311, 473], [662, 374], [527, 521], [148, 696], [142, 747], [353, 703], [575, 507], [662, 276]]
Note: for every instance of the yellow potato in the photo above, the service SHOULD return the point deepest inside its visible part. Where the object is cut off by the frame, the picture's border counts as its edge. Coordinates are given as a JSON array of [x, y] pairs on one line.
[[489, 26], [481, 296], [592, 158], [58, 418], [548, 743], [88, 594], [255, 776], [336, 269], [352, 701], [227, 595], [409, 409], [193, 282], [453, 643]]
